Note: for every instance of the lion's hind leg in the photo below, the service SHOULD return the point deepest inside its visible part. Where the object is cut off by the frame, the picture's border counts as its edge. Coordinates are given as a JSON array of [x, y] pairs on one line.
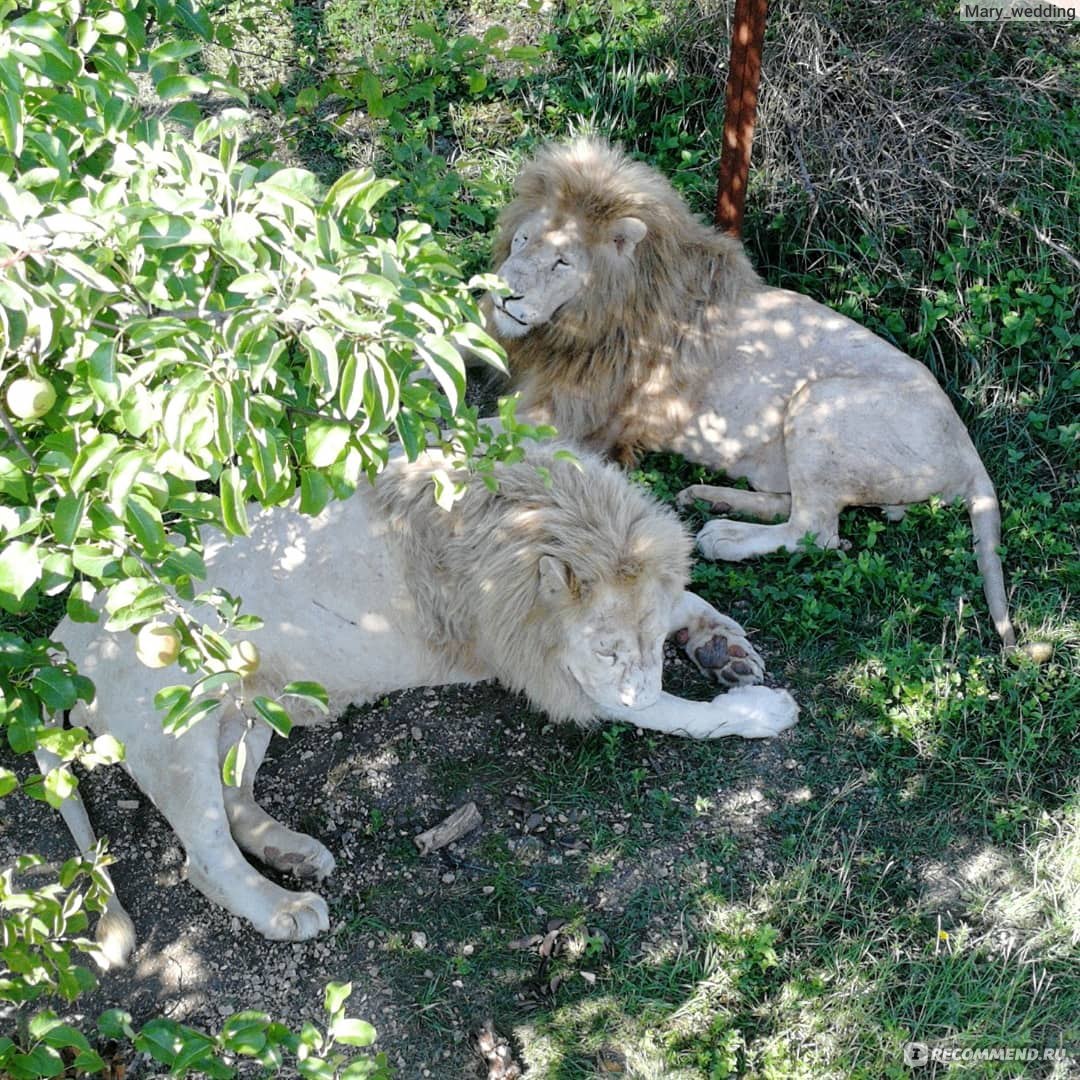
[[256, 831], [733, 541], [759, 505], [183, 777], [115, 932]]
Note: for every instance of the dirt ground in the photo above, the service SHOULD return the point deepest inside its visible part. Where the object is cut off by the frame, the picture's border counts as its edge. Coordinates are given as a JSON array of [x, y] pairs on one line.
[[434, 945]]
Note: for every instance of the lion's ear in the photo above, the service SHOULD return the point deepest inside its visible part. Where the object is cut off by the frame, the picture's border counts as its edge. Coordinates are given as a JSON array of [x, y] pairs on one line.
[[626, 234], [556, 579]]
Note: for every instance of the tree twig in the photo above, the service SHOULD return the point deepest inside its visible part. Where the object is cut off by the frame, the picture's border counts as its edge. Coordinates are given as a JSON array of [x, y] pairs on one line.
[[16, 438]]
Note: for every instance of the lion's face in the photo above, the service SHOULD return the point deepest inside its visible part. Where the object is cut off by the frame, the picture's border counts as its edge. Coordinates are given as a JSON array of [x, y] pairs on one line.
[[550, 264], [613, 635]]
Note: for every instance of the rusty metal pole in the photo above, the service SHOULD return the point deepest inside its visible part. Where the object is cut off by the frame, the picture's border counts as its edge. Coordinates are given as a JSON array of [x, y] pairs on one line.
[[740, 112]]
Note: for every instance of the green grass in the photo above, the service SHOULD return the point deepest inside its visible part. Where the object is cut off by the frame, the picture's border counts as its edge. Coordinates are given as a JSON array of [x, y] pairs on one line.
[[913, 868], [816, 935]]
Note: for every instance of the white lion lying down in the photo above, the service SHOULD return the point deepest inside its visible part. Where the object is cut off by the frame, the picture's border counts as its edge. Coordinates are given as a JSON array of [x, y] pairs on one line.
[[563, 590]]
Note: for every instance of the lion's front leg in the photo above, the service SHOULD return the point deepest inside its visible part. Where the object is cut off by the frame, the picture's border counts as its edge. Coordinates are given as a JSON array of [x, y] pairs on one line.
[[715, 643], [752, 712]]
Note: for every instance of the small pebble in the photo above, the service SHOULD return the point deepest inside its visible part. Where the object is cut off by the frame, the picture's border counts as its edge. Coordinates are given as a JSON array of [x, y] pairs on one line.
[[448, 878], [419, 939]]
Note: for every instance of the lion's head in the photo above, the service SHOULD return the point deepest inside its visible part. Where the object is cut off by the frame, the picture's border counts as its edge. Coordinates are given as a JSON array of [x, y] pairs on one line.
[[589, 232], [576, 221], [562, 582], [611, 635], [551, 262]]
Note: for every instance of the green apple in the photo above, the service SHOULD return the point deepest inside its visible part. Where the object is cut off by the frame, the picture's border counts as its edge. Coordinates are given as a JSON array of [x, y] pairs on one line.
[[30, 397], [245, 659], [157, 645]]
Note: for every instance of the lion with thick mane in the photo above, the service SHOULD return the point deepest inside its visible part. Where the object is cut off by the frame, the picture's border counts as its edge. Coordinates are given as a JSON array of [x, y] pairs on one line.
[[632, 326], [562, 584]]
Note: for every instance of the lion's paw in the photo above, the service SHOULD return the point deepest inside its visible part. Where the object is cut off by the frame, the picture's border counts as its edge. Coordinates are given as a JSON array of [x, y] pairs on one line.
[[701, 493], [727, 540], [296, 917], [304, 857], [718, 647], [757, 712]]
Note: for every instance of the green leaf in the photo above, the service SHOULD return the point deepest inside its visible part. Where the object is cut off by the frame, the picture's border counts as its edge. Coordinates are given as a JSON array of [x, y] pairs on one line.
[[8, 782], [79, 602], [474, 339], [245, 1033], [353, 1032], [43, 33], [447, 366], [177, 722], [59, 786], [11, 123], [41, 1061], [171, 230], [411, 429], [351, 388], [309, 691], [64, 1036], [123, 476], [336, 995], [322, 353], [446, 491], [360, 186], [315, 492], [55, 688], [274, 715], [102, 374], [324, 441], [232, 768], [169, 697], [316, 1069], [115, 1024], [67, 517], [233, 507], [94, 560], [91, 460], [222, 123], [144, 520], [181, 86], [20, 568], [215, 681], [253, 284]]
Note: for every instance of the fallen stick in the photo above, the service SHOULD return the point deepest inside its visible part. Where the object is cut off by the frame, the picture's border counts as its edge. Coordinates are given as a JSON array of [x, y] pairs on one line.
[[461, 821]]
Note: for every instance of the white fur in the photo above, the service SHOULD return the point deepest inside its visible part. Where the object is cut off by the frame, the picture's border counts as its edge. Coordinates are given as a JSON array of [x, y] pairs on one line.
[[661, 337], [563, 590]]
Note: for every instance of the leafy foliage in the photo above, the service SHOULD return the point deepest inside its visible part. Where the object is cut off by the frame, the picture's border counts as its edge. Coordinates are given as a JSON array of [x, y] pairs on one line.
[[204, 332], [181, 332]]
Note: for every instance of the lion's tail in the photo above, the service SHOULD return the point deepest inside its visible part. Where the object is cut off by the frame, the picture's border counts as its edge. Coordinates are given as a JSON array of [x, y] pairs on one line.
[[985, 514], [115, 931]]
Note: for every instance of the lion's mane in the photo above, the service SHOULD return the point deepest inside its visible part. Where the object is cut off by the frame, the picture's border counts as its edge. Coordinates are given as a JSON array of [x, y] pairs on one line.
[[632, 346], [473, 571]]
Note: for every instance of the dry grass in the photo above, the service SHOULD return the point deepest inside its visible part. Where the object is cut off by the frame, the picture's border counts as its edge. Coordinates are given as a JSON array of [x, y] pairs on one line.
[[895, 122]]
